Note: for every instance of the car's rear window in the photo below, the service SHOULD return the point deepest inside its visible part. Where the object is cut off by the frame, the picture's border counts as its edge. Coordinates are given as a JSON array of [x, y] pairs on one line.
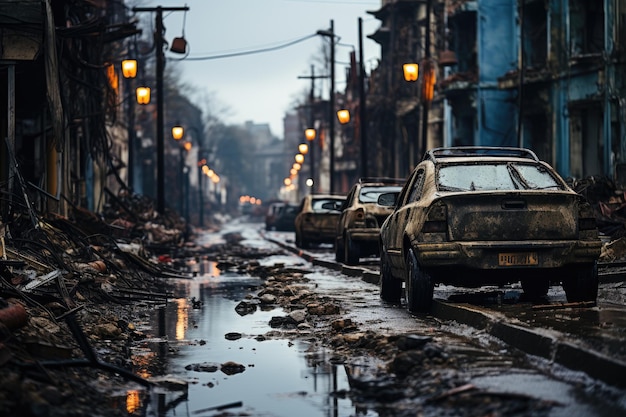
[[317, 204], [495, 176], [370, 194]]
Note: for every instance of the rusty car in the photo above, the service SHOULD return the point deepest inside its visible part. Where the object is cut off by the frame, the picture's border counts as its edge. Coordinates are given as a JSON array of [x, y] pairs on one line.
[[358, 227], [475, 216], [316, 220]]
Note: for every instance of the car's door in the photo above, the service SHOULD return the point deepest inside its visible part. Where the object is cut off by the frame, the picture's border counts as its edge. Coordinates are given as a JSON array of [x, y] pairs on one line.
[[343, 217], [396, 223]]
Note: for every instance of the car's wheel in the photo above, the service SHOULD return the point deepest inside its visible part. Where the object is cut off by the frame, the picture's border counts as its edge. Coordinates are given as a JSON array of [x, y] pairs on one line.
[[353, 252], [535, 288], [339, 250], [582, 283], [390, 288], [419, 286]]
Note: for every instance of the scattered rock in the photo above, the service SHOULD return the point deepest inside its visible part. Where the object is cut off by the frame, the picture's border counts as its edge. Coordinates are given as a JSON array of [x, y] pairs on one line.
[[232, 368], [203, 367], [245, 308], [232, 336], [298, 316], [267, 299]]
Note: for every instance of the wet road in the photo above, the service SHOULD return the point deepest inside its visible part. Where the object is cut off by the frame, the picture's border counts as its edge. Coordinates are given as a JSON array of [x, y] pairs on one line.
[[286, 377]]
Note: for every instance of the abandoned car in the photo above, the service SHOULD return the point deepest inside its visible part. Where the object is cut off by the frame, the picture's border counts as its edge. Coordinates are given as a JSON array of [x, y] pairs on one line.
[[358, 228], [317, 218], [474, 216]]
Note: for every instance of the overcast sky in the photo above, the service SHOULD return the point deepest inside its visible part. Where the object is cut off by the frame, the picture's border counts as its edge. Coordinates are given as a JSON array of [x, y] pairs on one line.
[[260, 87]]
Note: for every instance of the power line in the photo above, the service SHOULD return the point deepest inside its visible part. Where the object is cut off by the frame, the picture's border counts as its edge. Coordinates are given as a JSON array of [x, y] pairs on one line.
[[255, 51]]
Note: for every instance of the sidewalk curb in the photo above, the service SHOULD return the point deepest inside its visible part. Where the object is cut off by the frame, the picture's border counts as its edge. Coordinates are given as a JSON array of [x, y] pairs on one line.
[[548, 344]]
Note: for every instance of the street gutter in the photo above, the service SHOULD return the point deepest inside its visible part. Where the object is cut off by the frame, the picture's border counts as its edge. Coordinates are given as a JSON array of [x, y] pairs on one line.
[[548, 344]]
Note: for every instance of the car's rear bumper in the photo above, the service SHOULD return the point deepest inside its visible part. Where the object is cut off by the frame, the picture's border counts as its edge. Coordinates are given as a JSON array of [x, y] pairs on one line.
[[364, 234], [318, 235], [485, 255]]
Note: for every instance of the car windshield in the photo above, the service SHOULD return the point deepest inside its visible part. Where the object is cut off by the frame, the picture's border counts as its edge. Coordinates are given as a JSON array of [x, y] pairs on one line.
[[495, 176], [317, 204], [370, 194]]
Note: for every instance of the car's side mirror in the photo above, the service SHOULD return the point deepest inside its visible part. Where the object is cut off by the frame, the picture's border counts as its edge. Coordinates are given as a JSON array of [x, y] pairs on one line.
[[388, 199]]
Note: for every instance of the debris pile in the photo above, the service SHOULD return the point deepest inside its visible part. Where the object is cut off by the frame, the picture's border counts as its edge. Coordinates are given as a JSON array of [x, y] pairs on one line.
[[71, 289]]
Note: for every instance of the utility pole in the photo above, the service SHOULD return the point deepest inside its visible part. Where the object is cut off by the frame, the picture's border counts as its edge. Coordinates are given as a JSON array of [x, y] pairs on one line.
[[311, 121], [160, 67], [362, 104], [426, 103], [331, 127]]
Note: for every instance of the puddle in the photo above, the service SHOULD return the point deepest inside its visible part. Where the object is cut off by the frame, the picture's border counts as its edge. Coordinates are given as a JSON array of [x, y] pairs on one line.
[[279, 377]]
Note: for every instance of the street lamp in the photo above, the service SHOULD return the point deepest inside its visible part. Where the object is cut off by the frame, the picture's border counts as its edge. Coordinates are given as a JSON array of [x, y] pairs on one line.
[[303, 148], [411, 71], [143, 95], [310, 135], [299, 158], [129, 68], [178, 132], [129, 71], [343, 116]]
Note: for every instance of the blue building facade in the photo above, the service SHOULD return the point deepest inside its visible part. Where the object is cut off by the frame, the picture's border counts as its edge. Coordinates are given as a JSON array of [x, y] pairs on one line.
[[544, 74]]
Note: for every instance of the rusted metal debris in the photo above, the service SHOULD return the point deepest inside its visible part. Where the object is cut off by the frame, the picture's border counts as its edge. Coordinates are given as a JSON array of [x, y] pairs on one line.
[[55, 266]]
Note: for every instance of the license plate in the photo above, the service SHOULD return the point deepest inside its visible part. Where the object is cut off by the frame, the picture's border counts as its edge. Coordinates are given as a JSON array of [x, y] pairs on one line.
[[518, 259]]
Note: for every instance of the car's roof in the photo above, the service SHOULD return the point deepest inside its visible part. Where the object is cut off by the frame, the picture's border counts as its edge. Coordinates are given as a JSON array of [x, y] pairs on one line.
[[480, 153], [329, 196], [369, 181]]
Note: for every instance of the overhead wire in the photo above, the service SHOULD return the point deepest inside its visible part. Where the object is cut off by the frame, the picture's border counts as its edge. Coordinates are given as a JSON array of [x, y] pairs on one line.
[[250, 52]]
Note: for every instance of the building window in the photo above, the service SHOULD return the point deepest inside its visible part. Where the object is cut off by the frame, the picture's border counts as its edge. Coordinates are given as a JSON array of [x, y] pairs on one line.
[[535, 34], [586, 27]]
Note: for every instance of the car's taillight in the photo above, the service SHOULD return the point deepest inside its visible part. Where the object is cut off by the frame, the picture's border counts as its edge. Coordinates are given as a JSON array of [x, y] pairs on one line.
[[436, 220]]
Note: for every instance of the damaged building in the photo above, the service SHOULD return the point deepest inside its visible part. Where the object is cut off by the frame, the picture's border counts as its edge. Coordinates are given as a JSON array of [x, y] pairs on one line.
[[543, 74]]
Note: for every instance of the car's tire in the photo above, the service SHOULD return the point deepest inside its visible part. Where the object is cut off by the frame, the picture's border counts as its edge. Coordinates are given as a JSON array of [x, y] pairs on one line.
[[339, 250], [352, 251], [535, 288], [419, 286], [582, 283], [390, 288]]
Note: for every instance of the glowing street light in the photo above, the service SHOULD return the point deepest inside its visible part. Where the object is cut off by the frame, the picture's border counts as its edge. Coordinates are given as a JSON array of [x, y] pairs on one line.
[[129, 68], [411, 71], [343, 116]]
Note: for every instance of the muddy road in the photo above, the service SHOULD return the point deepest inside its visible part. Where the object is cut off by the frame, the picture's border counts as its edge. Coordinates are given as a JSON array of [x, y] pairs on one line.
[[264, 329], [252, 326]]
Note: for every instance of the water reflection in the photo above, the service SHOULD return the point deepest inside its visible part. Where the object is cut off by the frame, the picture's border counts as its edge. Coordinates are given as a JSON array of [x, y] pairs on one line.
[[280, 377]]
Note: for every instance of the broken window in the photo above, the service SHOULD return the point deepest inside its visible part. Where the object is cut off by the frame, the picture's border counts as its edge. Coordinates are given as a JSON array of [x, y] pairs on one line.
[[586, 27], [537, 135], [535, 34], [586, 146], [463, 41]]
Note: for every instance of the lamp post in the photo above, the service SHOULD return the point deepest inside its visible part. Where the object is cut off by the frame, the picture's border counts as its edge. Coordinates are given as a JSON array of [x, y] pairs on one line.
[[428, 80], [331, 122], [310, 134], [160, 67], [129, 71], [362, 104]]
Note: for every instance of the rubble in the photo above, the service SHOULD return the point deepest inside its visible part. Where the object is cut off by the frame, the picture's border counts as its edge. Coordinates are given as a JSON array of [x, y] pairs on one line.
[[71, 289]]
